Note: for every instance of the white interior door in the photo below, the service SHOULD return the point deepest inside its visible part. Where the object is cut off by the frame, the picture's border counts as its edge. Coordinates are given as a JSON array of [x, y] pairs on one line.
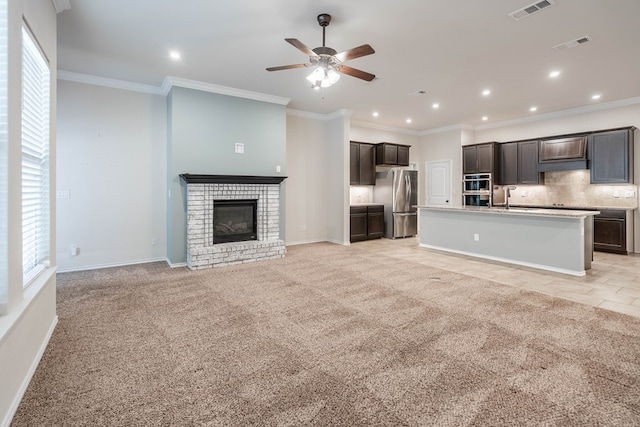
[[438, 182]]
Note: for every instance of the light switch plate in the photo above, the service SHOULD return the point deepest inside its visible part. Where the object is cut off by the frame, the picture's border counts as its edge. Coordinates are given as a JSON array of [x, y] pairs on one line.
[[239, 148]]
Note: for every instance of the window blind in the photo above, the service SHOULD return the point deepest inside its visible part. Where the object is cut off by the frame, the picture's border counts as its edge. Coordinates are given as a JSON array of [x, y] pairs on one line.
[[35, 159]]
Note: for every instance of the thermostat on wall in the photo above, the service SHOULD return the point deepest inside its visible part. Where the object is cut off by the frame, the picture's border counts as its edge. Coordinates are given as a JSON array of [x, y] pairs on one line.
[[239, 148]]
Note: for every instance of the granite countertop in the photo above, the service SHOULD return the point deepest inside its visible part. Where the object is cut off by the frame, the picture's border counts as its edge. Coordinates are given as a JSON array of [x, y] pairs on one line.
[[558, 207], [516, 211]]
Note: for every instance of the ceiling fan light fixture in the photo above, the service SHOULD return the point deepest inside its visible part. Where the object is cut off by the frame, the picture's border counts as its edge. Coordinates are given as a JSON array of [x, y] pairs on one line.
[[323, 76]]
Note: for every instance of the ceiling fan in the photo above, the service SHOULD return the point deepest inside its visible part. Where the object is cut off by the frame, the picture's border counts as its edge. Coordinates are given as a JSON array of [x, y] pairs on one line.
[[327, 62]]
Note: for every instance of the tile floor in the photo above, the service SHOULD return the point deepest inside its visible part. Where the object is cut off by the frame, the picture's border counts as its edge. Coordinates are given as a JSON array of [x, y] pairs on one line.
[[613, 282]]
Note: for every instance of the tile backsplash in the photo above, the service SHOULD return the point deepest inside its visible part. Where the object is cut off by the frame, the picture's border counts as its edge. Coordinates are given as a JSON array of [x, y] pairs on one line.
[[572, 189], [360, 194]]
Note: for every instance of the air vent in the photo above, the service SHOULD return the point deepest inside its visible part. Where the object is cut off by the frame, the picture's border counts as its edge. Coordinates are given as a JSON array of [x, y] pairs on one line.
[[531, 9], [572, 43]]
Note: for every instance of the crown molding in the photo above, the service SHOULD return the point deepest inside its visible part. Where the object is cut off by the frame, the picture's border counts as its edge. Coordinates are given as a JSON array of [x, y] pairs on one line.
[[458, 127], [385, 128], [61, 5], [170, 82], [306, 114], [318, 116], [166, 86], [107, 82], [564, 113]]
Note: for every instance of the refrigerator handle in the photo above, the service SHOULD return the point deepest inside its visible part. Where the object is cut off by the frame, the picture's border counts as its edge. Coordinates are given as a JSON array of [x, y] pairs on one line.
[[407, 183]]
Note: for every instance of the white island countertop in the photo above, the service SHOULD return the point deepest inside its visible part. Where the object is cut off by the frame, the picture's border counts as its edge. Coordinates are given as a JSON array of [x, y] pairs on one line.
[[516, 211]]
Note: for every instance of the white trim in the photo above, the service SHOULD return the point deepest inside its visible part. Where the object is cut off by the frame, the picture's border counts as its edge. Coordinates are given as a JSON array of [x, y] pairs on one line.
[[61, 5], [107, 82], [444, 129], [305, 242], [319, 116], [564, 113], [385, 128], [177, 264], [306, 114], [109, 265], [222, 90], [27, 379], [506, 261], [339, 113]]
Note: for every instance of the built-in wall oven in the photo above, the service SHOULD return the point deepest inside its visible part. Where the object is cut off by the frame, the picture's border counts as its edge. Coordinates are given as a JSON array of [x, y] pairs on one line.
[[477, 190]]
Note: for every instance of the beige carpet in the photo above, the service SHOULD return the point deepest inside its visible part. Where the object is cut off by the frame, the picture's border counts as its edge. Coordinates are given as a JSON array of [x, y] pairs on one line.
[[329, 335]]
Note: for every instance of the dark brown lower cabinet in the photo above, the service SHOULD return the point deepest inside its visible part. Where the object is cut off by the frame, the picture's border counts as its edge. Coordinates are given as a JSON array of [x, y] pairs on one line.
[[610, 231], [366, 222]]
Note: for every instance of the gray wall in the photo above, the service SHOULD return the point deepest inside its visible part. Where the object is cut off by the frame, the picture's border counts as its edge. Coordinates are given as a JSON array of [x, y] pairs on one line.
[[203, 129]]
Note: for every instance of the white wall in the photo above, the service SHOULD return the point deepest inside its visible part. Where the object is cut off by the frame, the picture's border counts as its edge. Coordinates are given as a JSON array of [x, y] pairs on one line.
[[337, 174], [112, 160], [306, 183], [27, 326]]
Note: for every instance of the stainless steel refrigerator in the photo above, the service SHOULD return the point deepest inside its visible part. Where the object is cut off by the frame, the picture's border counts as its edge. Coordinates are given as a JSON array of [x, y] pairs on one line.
[[397, 189]]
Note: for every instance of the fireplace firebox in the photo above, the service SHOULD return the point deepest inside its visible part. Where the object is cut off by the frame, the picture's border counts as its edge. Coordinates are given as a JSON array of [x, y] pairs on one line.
[[234, 220]]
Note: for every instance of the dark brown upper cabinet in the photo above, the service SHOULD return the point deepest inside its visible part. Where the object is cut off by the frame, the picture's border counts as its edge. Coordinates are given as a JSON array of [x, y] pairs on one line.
[[610, 156], [362, 163], [519, 163], [528, 172], [479, 158], [389, 154], [563, 154]]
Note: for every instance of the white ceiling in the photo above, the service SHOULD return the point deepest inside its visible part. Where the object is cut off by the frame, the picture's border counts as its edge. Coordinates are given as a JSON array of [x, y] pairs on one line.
[[452, 49]]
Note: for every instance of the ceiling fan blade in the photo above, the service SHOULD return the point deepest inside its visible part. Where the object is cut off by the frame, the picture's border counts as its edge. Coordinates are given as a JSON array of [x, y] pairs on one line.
[[356, 73], [354, 53], [286, 67], [301, 46]]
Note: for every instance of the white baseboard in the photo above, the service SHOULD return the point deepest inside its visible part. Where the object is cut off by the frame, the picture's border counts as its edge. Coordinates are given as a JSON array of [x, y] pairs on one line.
[[304, 242], [114, 264]]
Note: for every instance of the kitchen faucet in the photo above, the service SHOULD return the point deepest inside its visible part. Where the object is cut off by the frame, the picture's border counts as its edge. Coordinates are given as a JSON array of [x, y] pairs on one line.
[[507, 194]]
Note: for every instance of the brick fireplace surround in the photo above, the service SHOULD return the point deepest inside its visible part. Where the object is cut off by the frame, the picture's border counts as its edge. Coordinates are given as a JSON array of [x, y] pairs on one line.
[[203, 190]]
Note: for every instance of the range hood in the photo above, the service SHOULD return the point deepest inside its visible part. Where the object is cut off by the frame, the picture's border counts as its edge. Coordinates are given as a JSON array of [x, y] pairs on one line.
[[562, 154]]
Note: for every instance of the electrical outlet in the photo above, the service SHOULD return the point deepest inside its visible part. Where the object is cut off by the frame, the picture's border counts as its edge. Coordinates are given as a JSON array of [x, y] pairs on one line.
[[630, 193], [73, 249], [278, 169], [476, 237], [239, 147], [154, 241]]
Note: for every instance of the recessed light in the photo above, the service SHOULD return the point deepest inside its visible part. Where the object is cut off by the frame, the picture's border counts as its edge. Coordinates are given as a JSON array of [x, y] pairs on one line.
[[533, 109], [486, 92], [485, 118], [409, 120], [375, 114], [174, 54], [435, 105], [554, 74], [596, 96]]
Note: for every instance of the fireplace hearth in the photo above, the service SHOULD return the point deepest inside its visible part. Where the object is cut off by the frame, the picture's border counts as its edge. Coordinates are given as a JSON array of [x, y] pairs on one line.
[[232, 219]]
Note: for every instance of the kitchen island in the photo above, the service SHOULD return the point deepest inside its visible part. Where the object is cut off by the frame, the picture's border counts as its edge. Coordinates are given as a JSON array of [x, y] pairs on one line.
[[549, 239]]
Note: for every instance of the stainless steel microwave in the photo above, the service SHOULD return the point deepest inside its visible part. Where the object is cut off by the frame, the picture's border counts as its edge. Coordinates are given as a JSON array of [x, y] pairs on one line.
[[476, 182]]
